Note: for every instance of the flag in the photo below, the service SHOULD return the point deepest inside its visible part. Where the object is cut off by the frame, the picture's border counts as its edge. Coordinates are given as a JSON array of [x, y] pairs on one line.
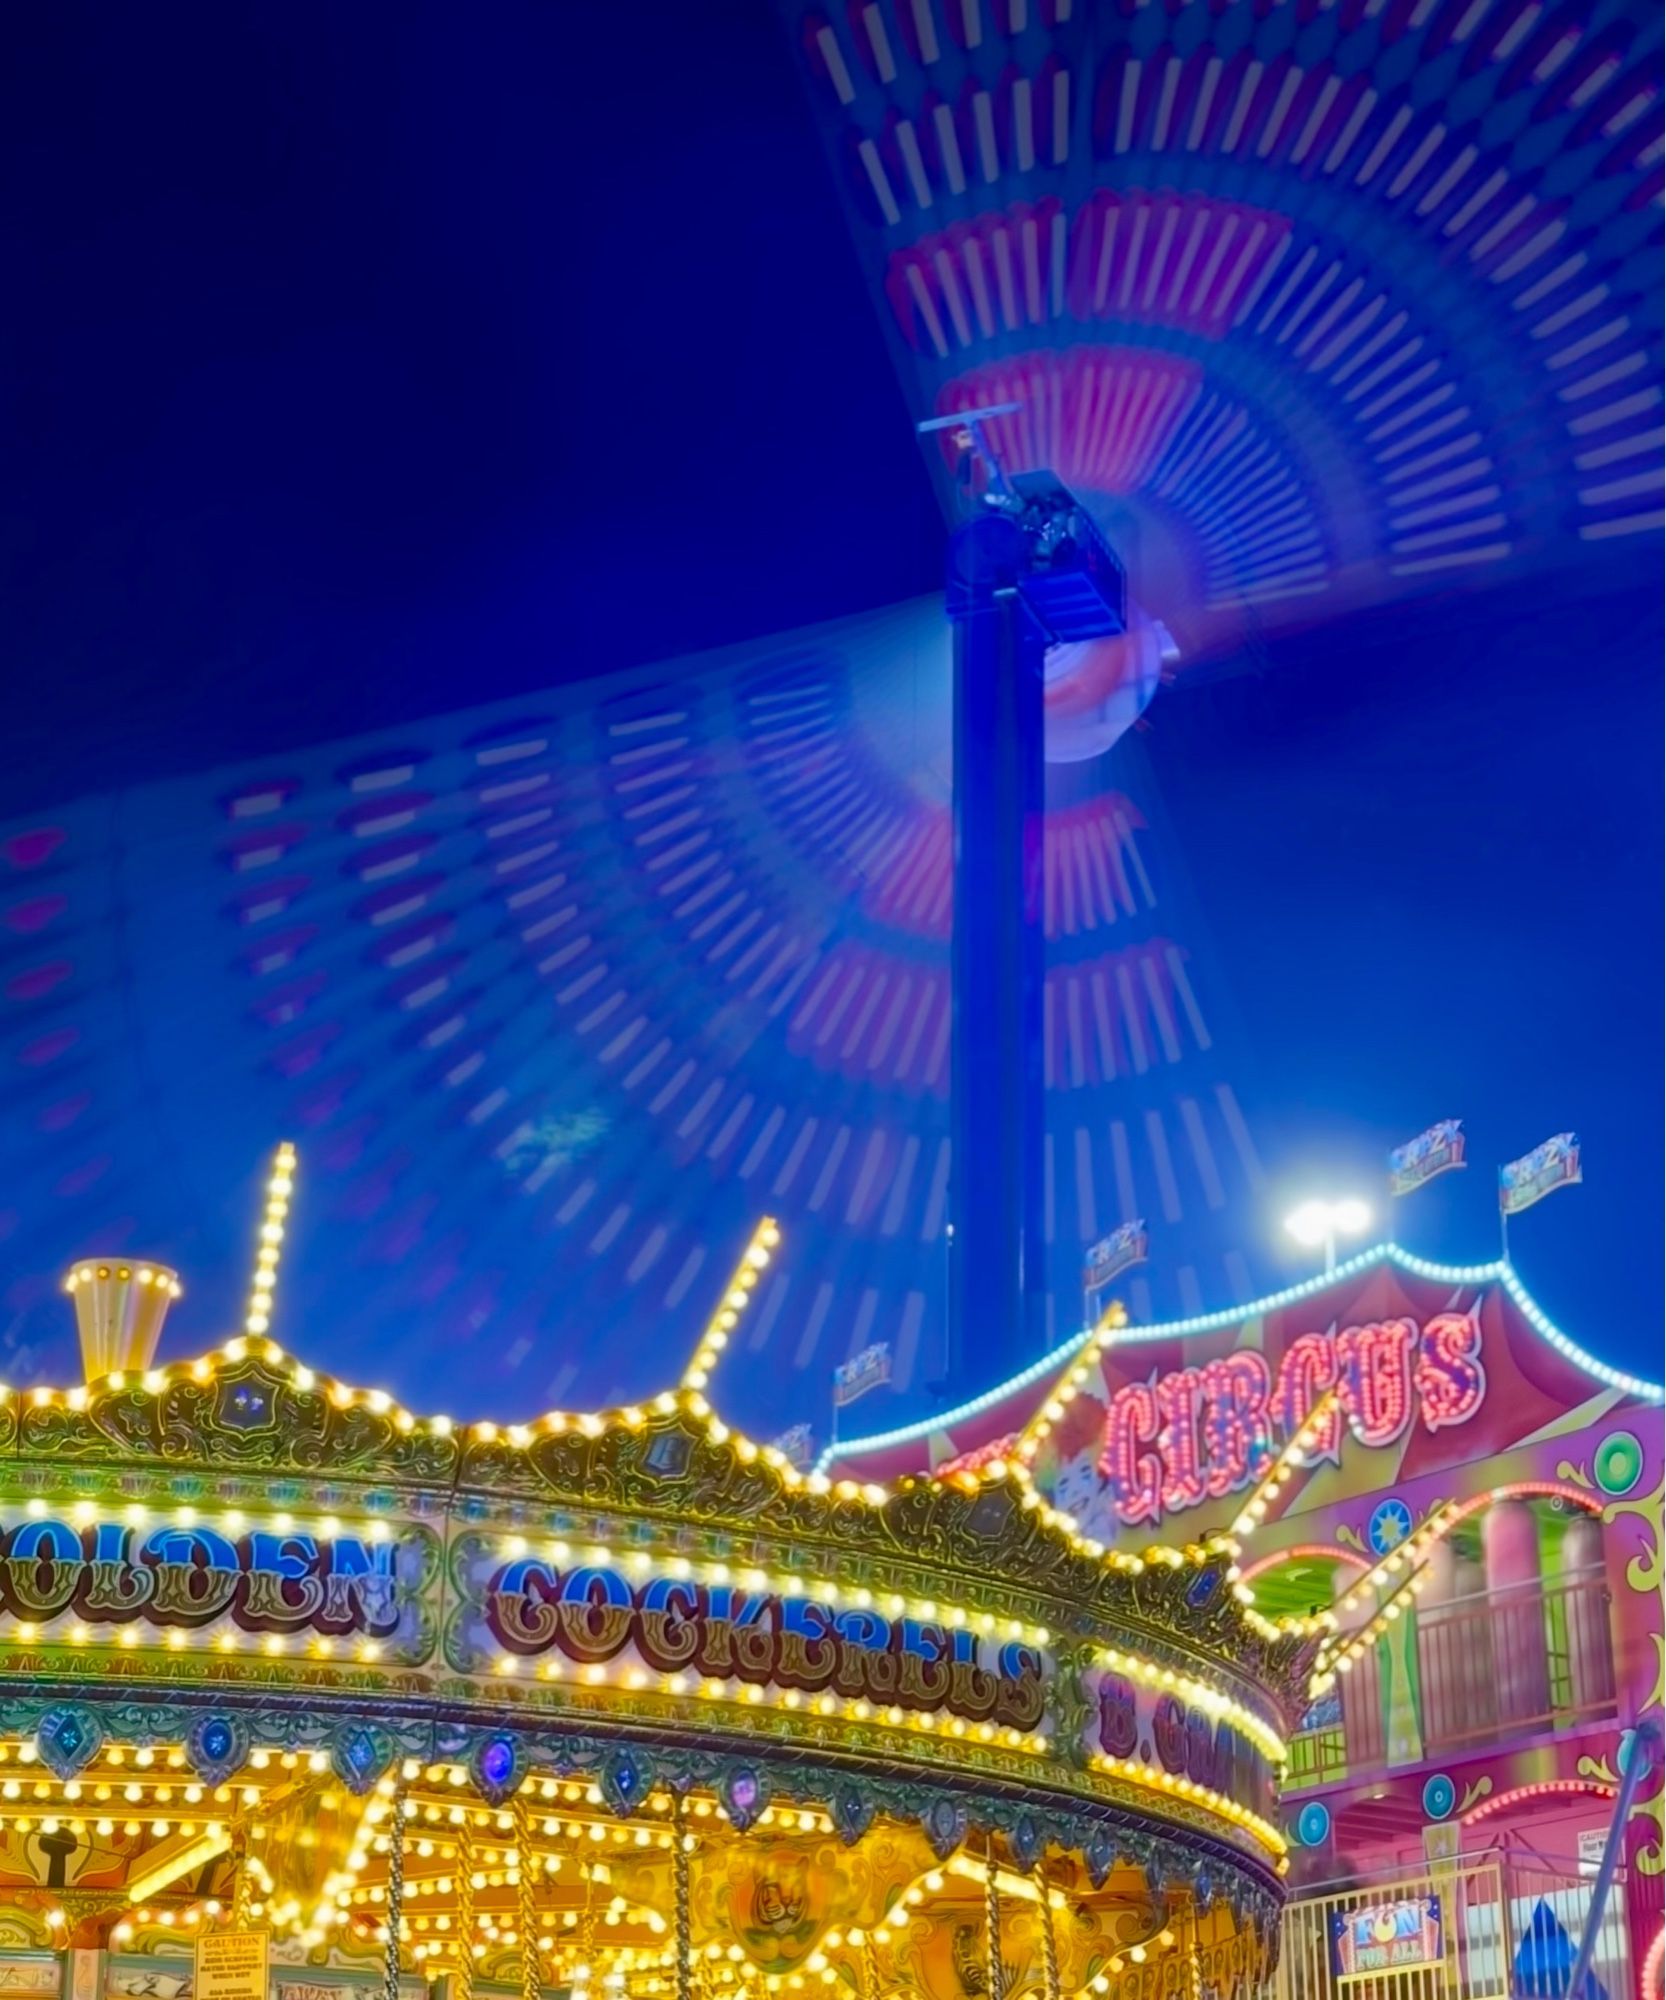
[[1125, 1245], [1538, 1173], [1430, 1153], [797, 1446], [865, 1371]]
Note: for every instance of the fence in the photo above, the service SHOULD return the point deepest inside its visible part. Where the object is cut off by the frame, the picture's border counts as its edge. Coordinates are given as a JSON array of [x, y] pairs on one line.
[[1503, 1664], [1499, 1926], [1514, 1660]]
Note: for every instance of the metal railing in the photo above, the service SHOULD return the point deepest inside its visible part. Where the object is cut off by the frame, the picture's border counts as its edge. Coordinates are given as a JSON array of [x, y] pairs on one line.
[[1514, 1660], [1499, 1665], [1493, 1926], [1343, 1941]]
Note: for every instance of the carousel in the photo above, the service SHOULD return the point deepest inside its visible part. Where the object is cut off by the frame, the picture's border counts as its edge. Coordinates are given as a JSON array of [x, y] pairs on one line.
[[305, 1695]]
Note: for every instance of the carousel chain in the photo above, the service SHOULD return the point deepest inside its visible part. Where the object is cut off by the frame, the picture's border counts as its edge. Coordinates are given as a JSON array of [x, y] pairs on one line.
[[680, 1890], [532, 1980], [465, 1914], [1049, 1940], [870, 1967], [396, 1891], [587, 1921], [995, 1972], [240, 1883]]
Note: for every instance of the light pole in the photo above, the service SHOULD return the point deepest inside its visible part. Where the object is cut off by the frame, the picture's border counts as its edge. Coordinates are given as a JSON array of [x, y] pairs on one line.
[[1318, 1223]]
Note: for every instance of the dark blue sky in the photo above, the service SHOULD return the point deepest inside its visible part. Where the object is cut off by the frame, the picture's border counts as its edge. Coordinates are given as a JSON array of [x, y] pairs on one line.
[[355, 343], [364, 362], [1426, 851]]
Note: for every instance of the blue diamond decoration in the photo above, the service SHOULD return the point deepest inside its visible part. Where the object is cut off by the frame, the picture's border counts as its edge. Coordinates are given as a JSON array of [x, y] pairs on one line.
[[945, 1827], [1203, 1587], [667, 1454], [852, 1813], [497, 1768], [358, 1758], [216, 1746], [1099, 1854], [624, 1782], [67, 1739]]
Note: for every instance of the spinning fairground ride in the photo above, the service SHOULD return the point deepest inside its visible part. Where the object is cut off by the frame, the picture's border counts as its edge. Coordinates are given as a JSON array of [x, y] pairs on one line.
[[302, 1694]]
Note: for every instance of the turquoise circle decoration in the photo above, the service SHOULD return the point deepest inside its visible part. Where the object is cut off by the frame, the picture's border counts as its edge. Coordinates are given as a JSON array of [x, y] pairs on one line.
[[1618, 1464], [1440, 1795], [1313, 1824], [1622, 1755], [1390, 1525]]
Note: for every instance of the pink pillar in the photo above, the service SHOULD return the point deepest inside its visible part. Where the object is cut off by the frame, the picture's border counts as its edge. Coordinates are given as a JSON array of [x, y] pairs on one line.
[[1521, 1668], [1472, 1637], [1438, 1659], [1590, 1642]]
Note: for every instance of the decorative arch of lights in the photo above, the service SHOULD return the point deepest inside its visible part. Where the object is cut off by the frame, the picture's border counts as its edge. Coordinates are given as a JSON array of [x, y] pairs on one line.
[[1324, 303]]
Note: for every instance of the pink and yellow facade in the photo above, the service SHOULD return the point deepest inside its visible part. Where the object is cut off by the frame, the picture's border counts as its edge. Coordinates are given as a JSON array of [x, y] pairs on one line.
[[1418, 1454]]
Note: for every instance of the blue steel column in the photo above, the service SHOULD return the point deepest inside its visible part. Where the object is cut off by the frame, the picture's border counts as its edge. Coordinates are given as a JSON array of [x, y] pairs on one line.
[[997, 1286]]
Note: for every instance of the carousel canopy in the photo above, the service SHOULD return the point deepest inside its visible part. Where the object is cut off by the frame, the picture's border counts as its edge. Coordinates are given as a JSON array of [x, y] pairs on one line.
[[605, 1688]]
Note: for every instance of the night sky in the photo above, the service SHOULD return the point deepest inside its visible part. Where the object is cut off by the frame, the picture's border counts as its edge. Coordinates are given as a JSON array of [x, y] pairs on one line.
[[362, 363]]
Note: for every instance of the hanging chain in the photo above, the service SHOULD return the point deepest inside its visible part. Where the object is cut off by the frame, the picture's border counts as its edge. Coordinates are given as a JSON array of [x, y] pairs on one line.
[[526, 1902], [465, 1913], [1049, 1942], [241, 1885], [679, 1882], [396, 1890], [995, 1972], [587, 1923], [870, 1967]]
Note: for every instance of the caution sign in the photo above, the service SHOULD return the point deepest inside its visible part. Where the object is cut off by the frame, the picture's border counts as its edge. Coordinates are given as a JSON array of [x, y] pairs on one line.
[[231, 1965]]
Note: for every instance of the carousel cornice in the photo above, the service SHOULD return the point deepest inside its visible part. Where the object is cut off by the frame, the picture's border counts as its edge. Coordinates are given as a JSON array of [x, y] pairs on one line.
[[249, 1407]]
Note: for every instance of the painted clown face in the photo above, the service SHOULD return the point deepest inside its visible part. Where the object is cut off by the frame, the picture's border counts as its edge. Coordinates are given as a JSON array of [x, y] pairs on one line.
[[1077, 1488]]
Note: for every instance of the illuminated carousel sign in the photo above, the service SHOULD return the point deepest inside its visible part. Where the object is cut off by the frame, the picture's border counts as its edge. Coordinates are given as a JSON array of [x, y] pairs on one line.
[[111, 1572], [719, 1631]]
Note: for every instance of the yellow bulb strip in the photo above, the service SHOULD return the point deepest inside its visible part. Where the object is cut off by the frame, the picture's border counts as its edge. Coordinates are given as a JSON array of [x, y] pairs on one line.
[[737, 1295], [1411, 1554], [1346, 1648], [1283, 1468], [1069, 1384], [279, 1187], [1201, 1694], [1172, 1786]]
